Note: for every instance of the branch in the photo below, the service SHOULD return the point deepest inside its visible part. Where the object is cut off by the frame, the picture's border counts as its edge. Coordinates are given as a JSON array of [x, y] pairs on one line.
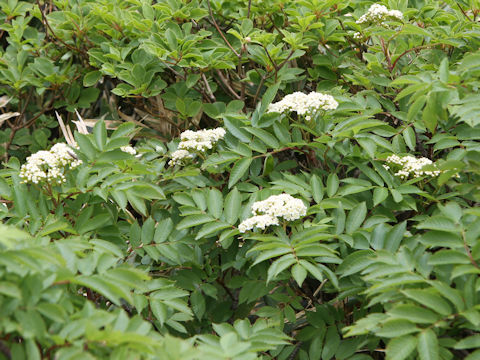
[[410, 50], [44, 18], [227, 85], [220, 31]]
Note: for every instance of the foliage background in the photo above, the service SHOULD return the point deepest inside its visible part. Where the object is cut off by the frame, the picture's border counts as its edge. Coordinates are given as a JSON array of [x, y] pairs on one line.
[[134, 259]]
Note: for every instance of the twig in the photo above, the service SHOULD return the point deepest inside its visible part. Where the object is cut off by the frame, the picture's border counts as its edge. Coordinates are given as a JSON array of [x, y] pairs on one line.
[[227, 85], [220, 31], [463, 11], [209, 90], [407, 51], [258, 89], [44, 18], [386, 53], [465, 245]]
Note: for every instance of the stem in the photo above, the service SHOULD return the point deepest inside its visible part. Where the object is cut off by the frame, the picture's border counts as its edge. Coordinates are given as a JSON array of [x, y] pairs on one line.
[[410, 50], [209, 90], [467, 249], [44, 18], [220, 31]]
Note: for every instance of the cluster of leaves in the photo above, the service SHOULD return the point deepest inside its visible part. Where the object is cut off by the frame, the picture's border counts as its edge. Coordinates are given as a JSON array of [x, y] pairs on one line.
[[132, 258]]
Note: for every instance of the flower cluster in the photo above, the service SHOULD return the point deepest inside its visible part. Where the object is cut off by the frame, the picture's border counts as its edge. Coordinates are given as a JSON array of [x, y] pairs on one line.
[[270, 211], [304, 104], [178, 157], [410, 165], [378, 14], [357, 36], [129, 150], [195, 141], [50, 165], [201, 140]]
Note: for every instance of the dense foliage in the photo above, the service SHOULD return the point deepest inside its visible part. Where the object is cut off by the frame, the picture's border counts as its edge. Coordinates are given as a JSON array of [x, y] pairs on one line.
[[143, 239]]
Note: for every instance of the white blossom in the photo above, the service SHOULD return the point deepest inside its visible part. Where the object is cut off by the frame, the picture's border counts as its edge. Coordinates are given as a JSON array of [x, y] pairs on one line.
[[270, 211], [129, 150], [304, 104], [378, 14], [411, 166], [357, 36], [200, 140], [195, 141], [258, 221], [49, 166], [178, 157]]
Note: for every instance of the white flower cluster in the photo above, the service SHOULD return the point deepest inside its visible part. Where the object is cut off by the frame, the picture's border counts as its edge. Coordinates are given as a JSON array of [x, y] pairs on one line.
[[50, 165], [200, 140], [129, 150], [268, 212], [257, 221], [195, 141], [178, 157], [411, 166], [378, 14], [304, 104]]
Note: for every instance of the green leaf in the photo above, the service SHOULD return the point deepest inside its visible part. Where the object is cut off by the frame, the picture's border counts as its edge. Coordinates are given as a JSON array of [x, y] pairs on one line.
[[332, 184], [194, 220], [148, 230], [95, 223], [268, 165], [215, 202], [211, 228], [33, 352], [413, 313], [395, 236], [58, 225], [356, 217], [471, 342], [265, 136], [299, 273], [439, 223], [445, 257], [198, 303], [238, 170], [400, 348], [124, 129], [159, 310], [443, 70], [429, 115], [379, 195], [415, 109], [317, 188], [332, 342], [268, 96], [429, 299], [233, 203], [137, 202], [10, 289], [100, 134], [85, 145], [356, 262], [91, 78], [427, 345], [279, 265], [410, 138], [396, 327]]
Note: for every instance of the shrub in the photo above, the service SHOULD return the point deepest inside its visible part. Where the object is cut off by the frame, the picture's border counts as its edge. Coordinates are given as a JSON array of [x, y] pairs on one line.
[[333, 213]]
